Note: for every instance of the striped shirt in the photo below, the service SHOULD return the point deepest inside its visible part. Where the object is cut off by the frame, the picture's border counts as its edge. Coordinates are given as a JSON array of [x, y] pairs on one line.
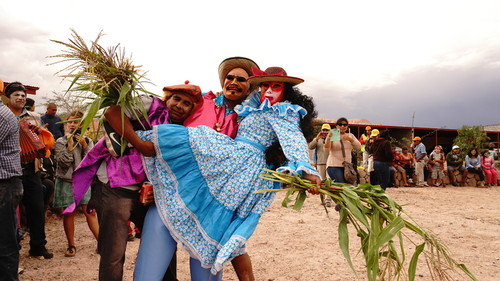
[[10, 149]]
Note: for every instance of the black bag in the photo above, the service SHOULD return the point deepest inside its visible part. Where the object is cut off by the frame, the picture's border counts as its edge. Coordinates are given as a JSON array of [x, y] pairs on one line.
[[350, 172]]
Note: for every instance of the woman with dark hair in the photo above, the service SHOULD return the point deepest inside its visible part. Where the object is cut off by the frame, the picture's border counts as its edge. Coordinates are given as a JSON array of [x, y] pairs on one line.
[[205, 183], [340, 148], [473, 163]]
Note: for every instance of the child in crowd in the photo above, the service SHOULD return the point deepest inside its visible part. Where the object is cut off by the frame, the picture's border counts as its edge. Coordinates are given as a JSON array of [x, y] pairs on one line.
[[436, 160], [488, 166]]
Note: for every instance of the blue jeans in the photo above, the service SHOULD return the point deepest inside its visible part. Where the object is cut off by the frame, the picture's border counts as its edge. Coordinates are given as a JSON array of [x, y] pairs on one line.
[[11, 192], [156, 251], [382, 173], [336, 173]]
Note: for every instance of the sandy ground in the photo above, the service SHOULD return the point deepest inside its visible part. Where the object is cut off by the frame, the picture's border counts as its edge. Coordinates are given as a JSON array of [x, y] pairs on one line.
[[290, 245]]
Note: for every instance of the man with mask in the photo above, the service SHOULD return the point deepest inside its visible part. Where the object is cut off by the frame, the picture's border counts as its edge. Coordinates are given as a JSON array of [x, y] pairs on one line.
[[11, 191], [33, 197]]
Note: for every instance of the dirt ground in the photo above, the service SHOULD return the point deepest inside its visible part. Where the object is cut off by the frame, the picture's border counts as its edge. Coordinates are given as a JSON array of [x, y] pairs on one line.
[[290, 245]]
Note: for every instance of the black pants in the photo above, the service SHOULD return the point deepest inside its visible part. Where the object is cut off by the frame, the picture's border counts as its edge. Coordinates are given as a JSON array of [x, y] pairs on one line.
[[11, 191], [479, 172], [33, 200]]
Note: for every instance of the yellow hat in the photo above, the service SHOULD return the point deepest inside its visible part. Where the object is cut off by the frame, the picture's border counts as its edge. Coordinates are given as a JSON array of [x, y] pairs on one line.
[[375, 132], [417, 139], [1, 86], [326, 126]]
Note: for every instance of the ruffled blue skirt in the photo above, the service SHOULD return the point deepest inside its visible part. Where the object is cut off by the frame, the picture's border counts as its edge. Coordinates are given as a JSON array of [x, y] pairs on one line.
[[204, 184]]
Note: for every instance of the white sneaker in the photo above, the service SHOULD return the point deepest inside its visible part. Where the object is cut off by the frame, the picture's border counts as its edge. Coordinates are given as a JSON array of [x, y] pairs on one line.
[[410, 181], [425, 184]]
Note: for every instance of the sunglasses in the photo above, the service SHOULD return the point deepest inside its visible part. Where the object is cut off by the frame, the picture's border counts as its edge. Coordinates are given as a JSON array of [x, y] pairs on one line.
[[240, 79], [343, 124]]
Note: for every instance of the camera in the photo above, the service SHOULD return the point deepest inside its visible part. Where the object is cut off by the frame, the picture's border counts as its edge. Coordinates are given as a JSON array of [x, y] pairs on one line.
[[75, 133]]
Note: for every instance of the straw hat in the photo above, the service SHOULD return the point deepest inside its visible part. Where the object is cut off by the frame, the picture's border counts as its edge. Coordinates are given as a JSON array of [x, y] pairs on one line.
[[232, 63], [273, 73], [186, 88]]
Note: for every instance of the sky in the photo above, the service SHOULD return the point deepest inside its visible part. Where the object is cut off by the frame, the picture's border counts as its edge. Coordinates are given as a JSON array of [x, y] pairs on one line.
[[433, 64]]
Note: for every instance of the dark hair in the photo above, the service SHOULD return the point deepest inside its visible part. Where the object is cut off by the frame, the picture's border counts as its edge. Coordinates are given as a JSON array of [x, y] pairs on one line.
[[29, 103], [295, 96], [404, 148], [470, 152], [14, 87], [384, 133], [274, 153], [342, 119]]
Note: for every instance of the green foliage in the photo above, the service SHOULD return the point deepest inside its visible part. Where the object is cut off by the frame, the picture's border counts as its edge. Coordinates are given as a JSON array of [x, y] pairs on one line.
[[471, 137], [381, 224], [105, 76]]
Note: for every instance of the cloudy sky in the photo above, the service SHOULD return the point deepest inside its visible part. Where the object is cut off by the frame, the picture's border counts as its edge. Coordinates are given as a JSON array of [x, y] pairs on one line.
[[385, 61]]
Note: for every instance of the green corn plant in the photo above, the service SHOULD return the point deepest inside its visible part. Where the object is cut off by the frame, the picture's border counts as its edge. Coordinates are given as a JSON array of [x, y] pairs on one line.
[[107, 73], [380, 223]]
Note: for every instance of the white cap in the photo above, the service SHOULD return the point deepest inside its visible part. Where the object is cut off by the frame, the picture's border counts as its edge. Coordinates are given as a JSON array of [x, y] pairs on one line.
[[455, 147]]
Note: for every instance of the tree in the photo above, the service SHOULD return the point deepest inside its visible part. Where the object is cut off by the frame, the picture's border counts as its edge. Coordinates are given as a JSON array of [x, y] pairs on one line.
[[67, 102], [471, 137]]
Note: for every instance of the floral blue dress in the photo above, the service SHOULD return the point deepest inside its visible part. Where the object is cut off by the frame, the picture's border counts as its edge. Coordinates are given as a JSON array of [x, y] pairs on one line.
[[205, 182]]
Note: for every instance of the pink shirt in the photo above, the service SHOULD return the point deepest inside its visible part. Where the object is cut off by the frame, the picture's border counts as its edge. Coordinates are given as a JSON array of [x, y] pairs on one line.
[[208, 113]]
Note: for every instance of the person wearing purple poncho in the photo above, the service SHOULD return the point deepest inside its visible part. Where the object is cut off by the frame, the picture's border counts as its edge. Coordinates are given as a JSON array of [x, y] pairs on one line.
[[205, 182], [115, 195]]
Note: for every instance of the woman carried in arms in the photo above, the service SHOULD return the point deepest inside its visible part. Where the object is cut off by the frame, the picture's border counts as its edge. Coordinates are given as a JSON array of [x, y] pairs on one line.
[[205, 182]]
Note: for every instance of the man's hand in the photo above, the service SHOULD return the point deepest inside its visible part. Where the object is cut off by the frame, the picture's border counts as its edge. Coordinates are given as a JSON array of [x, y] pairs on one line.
[[313, 179], [150, 198]]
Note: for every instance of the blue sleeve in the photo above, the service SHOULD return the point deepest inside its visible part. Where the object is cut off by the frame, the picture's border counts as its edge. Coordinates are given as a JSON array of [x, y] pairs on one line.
[[467, 162], [292, 141]]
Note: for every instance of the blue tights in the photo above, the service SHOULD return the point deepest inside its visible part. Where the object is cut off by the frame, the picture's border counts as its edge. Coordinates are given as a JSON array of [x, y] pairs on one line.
[[156, 250]]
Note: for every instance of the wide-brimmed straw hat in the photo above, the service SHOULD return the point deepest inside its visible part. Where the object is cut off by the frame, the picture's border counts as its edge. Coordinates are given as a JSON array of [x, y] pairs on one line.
[[274, 73], [186, 88], [232, 63]]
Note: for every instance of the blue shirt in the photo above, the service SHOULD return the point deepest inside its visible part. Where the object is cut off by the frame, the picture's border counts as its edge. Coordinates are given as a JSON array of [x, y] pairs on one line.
[[420, 150], [56, 128]]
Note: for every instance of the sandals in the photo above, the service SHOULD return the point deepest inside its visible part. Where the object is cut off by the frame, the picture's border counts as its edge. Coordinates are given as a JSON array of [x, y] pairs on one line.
[[70, 252]]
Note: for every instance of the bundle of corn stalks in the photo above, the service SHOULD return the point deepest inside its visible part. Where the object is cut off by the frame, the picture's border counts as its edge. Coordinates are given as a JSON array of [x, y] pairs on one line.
[[379, 223], [107, 73]]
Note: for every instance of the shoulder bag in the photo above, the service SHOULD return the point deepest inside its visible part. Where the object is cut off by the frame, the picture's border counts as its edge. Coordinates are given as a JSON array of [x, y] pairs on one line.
[[350, 173]]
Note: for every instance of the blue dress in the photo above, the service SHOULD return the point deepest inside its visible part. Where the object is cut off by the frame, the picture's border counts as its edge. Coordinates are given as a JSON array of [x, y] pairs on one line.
[[205, 182]]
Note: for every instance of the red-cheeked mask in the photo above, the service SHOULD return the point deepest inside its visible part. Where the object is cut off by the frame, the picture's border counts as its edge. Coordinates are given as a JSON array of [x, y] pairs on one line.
[[273, 91]]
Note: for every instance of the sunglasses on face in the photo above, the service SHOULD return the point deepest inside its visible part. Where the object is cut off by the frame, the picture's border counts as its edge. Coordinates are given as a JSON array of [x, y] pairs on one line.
[[240, 79], [343, 124]]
